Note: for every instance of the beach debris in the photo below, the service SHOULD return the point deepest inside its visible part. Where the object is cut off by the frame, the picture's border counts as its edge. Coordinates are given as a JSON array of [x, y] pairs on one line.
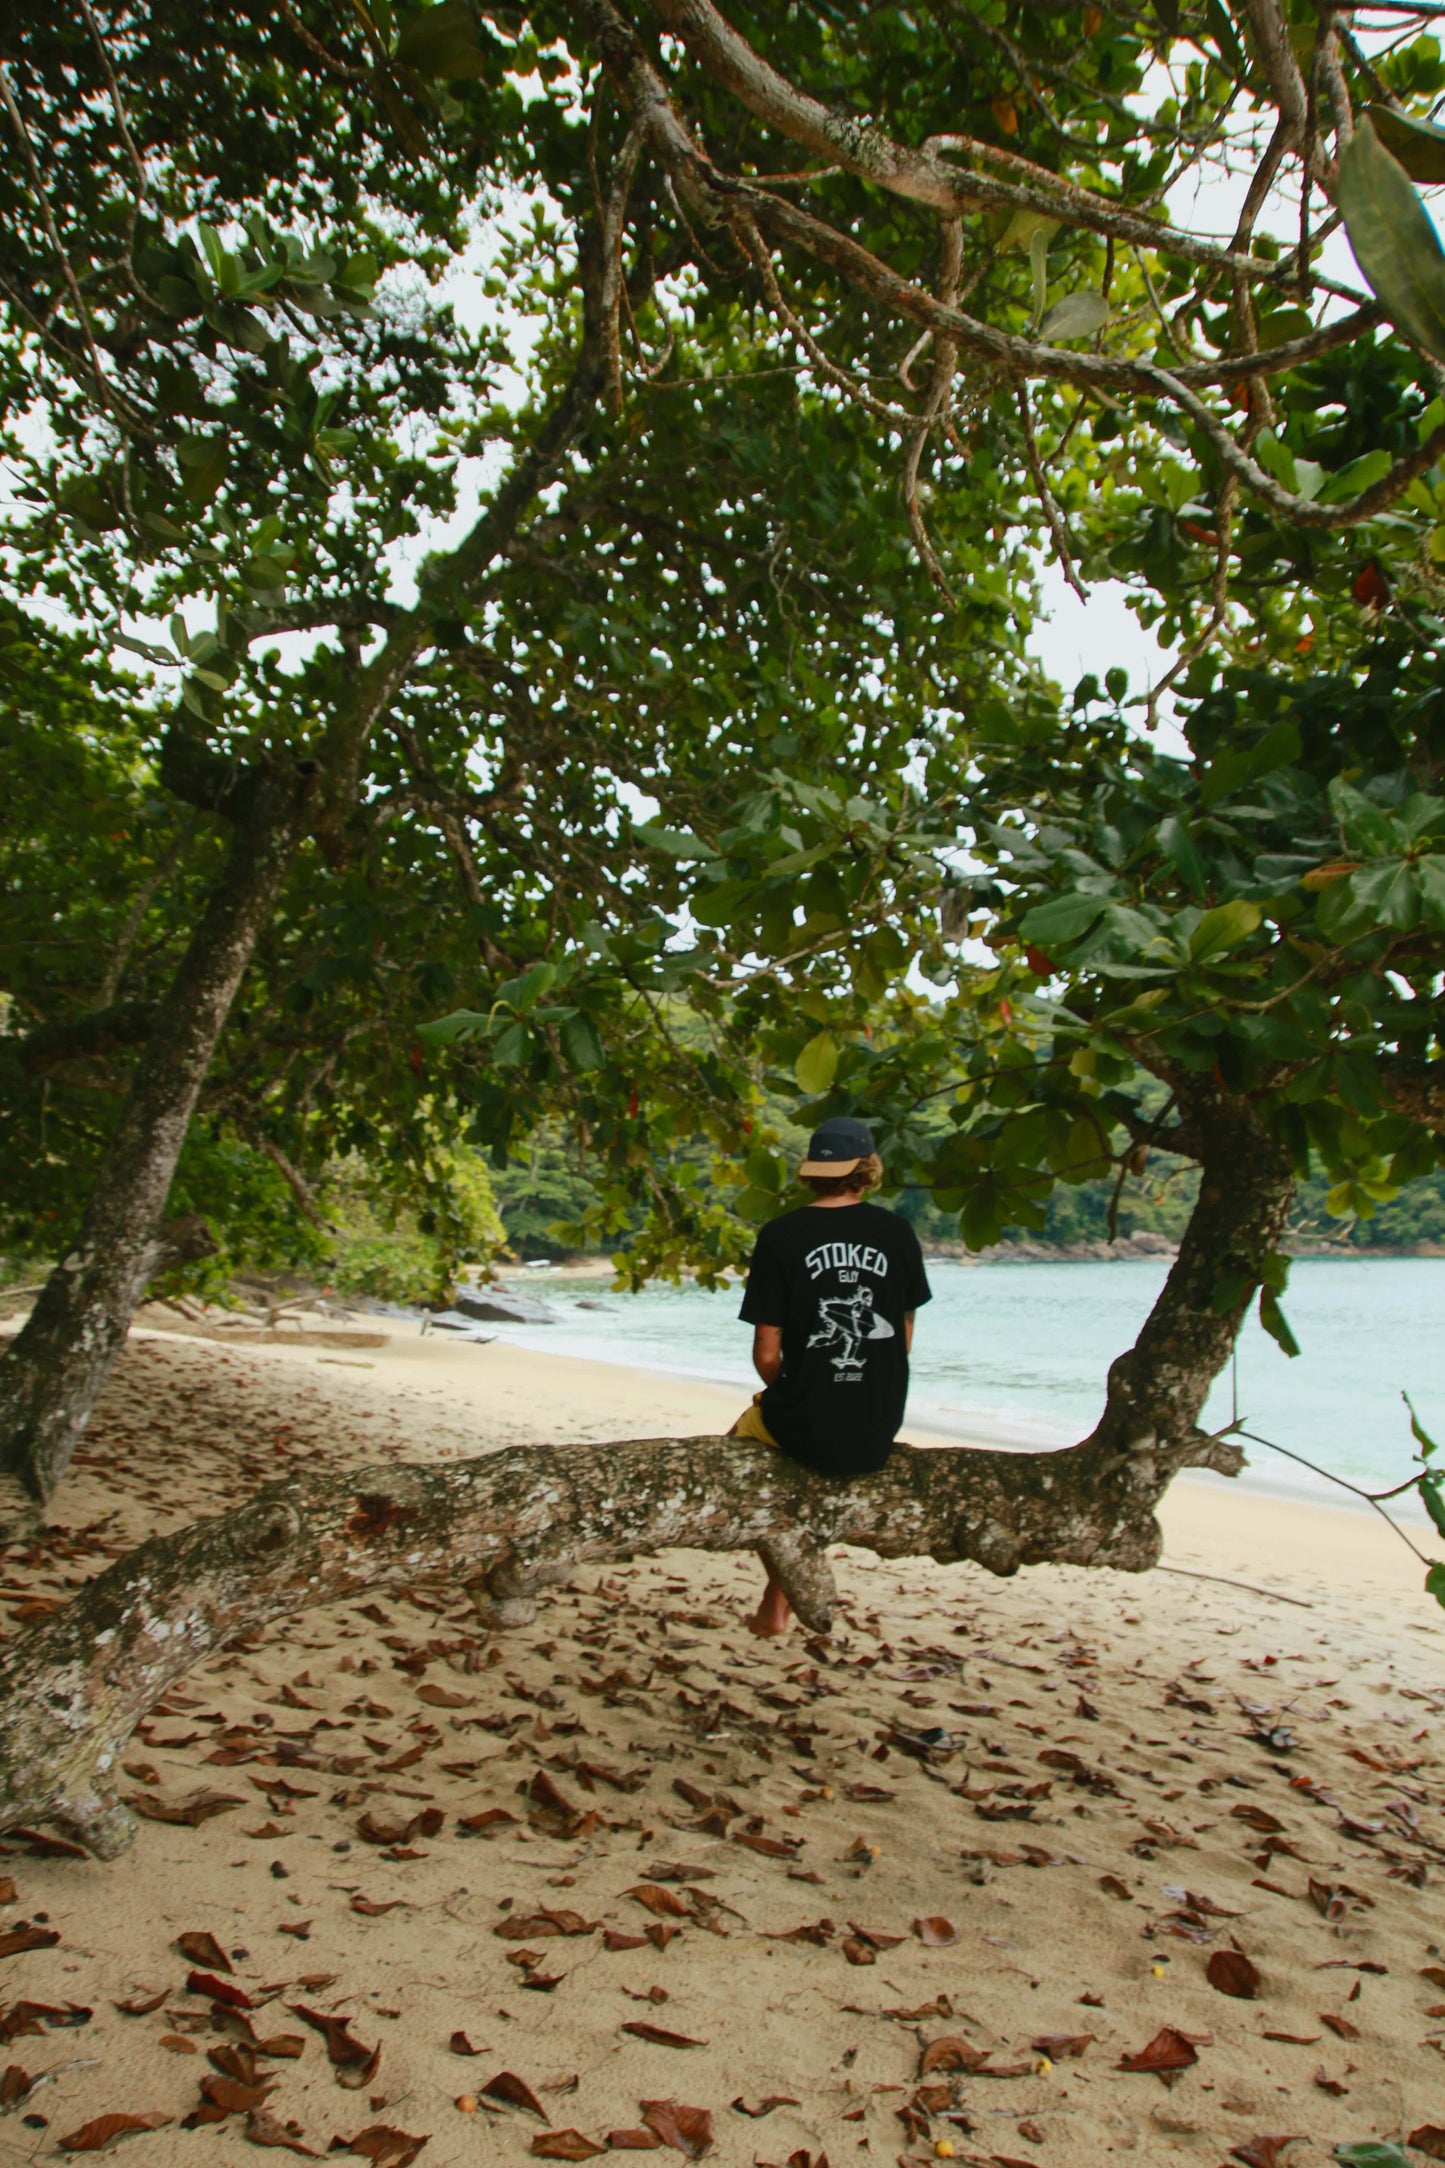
[[935, 1932], [354, 2063], [764, 2107], [686, 2130], [103, 2130], [1230, 1972], [142, 2002], [27, 1937], [264, 2128], [522, 1927], [1262, 2152], [564, 2145], [1169, 2050], [1062, 2047], [640, 2029], [200, 1807], [515, 2092], [428, 1823], [203, 1949], [383, 2146]]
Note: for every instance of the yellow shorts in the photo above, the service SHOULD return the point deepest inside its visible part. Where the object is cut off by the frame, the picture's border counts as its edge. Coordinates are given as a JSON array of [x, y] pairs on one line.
[[750, 1424]]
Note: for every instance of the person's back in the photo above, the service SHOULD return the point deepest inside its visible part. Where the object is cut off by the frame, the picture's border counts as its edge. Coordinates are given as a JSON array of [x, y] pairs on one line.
[[831, 1293], [840, 1286]]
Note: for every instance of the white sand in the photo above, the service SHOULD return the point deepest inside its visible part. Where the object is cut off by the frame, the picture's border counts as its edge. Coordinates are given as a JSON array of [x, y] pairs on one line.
[[644, 1672]]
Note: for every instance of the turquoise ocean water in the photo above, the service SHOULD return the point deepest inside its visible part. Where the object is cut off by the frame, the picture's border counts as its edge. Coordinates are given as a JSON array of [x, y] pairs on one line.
[[1016, 1354]]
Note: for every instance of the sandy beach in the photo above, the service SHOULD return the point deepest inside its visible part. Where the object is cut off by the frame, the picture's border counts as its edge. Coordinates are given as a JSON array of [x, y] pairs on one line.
[[924, 1890]]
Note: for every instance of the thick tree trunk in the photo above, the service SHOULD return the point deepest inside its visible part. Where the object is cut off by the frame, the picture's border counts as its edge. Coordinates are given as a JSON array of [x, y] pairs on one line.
[[59, 1363], [1246, 1186], [505, 1526]]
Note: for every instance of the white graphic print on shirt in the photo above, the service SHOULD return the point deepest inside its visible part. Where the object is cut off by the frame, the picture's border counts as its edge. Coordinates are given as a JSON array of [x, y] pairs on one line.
[[846, 1321]]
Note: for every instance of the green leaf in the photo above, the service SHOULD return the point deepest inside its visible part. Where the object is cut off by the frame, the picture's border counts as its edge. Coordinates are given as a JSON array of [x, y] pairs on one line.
[[263, 573], [1421, 1436], [1430, 1497], [1394, 239], [460, 1024], [1435, 1584], [817, 1065], [1372, 2153], [527, 989], [1039, 268], [1075, 316], [1272, 1317], [1389, 891], [1223, 928], [677, 842], [1182, 852], [512, 1047], [1062, 918], [1418, 145], [581, 1044], [1359, 475]]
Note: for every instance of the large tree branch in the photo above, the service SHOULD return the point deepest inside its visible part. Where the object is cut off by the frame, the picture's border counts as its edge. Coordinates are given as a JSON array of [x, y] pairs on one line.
[[507, 1525], [727, 199], [925, 175], [98, 1032]]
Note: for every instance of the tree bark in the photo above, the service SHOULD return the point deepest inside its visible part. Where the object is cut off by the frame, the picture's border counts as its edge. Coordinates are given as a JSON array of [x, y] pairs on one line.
[[1246, 1187], [60, 1361], [506, 1526]]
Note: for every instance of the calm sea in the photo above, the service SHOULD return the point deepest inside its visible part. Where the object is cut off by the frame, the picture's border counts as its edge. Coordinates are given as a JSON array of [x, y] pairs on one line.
[[1016, 1354]]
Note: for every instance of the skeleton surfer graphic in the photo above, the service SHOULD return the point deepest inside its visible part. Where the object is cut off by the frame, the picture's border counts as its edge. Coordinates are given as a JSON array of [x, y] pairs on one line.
[[845, 1322]]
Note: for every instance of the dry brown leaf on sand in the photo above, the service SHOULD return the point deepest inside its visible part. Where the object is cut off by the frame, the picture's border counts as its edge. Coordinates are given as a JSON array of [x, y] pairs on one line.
[[198, 1808], [27, 1938], [461, 2045], [951, 2052], [383, 2146], [1061, 2047], [142, 2002], [1429, 2139], [1168, 2050], [935, 1932], [1232, 1973], [14, 2086], [203, 1949], [544, 1923], [633, 2141], [659, 1900], [223, 2096], [103, 2130], [515, 2092], [226, 1991], [686, 2130], [764, 2107], [355, 2064], [659, 2036], [264, 2128], [564, 2145], [1262, 2152]]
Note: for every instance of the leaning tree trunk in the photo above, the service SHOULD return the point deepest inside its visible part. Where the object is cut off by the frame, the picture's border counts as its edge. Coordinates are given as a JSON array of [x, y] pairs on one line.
[[506, 1526], [1246, 1187], [57, 1368]]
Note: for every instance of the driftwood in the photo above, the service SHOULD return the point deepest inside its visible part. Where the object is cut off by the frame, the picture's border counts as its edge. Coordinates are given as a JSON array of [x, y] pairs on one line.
[[506, 1526]]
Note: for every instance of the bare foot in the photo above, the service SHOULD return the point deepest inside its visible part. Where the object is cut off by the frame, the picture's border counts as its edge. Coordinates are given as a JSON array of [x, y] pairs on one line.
[[773, 1616]]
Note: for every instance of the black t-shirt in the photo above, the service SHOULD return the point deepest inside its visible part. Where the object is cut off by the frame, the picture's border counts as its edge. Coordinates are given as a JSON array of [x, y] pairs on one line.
[[839, 1280]]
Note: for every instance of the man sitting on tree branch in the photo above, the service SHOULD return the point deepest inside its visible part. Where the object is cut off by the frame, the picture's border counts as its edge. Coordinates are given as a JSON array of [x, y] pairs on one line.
[[831, 1306]]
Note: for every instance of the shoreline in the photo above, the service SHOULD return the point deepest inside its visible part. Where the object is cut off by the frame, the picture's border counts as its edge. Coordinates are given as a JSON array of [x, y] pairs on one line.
[[1303, 1546]]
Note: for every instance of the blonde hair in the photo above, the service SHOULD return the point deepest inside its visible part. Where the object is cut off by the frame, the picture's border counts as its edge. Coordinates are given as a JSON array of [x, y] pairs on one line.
[[860, 1179]]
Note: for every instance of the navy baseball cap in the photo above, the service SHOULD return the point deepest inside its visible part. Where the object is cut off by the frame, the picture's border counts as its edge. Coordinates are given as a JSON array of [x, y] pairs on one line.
[[837, 1146]]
